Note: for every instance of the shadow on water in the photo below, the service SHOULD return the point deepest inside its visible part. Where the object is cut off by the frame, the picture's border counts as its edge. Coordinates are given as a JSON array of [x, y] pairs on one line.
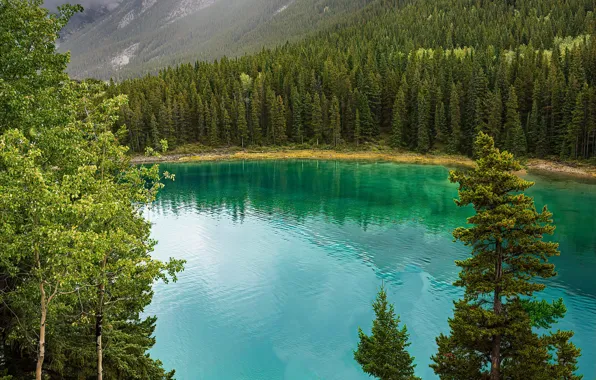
[[373, 193]]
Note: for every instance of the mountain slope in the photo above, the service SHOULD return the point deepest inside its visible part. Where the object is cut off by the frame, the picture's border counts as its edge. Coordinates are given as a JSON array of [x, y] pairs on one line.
[[140, 36]]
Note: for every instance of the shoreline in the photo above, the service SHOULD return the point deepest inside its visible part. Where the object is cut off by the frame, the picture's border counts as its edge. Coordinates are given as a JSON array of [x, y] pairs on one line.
[[532, 165]]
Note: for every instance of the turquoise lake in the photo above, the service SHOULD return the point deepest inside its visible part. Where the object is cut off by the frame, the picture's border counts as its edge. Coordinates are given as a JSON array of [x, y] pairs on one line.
[[285, 257]]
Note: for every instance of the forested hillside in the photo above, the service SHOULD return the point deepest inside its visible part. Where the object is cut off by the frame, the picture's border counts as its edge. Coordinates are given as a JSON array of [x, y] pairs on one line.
[[143, 36], [420, 75]]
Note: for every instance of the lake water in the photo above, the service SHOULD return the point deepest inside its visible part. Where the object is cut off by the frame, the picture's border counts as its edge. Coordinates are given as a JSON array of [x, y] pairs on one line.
[[285, 258]]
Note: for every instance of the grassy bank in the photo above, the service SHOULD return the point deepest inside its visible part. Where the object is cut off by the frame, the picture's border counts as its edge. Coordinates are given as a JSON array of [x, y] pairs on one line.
[[310, 154], [201, 154]]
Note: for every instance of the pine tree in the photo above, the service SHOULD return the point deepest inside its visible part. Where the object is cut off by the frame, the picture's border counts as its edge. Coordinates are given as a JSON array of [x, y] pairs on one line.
[[335, 121], [357, 135], [317, 119], [297, 109], [384, 353], [242, 125], [495, 118], [279, 121], [400, 116], [154, 132], [213, 126], [533, 126], [366, 117], [455, 140], [255, 117], [515, 137], [441, 123], [492, 332], [542, 143], [578, 120], [423, 120], [226, 125]]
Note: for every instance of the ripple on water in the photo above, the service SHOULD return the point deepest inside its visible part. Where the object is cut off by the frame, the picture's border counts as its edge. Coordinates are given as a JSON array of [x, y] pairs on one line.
[[284, 260]]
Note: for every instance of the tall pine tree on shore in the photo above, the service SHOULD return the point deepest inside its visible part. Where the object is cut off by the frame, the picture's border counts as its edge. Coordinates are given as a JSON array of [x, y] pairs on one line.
[[492, 333]]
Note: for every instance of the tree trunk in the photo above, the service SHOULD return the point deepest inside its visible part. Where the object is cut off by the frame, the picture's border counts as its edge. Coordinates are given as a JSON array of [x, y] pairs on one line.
[[99, 321], [98, 338], [42, 333], [495, 356]]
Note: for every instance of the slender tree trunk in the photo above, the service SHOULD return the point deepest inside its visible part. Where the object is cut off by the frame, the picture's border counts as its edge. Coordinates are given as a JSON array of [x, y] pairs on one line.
[[41, 354], [99, 322], [98, 338], [495, 356]]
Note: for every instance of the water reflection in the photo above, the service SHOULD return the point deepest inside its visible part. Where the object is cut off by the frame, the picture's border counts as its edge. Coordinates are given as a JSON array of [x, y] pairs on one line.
[[278, 251]]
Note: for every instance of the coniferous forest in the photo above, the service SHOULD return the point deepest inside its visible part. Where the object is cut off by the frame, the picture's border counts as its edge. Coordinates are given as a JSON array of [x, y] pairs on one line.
[[424, 75], [494, 80]]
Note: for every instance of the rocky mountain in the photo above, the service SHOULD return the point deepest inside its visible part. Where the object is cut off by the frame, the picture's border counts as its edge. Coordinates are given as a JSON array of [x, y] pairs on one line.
[[125, 38]]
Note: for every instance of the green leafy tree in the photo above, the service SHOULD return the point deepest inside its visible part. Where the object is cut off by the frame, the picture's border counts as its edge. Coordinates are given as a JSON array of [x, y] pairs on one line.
[[492, 332], [384, 353], [69, 198]]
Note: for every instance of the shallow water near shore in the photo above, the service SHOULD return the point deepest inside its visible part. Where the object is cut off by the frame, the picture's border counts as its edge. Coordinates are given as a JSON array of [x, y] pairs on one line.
[[285, 257]]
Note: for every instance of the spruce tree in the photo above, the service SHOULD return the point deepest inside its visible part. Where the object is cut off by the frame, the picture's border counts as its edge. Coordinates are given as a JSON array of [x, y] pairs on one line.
[[400, 116], [226, 125], [441, 123], [423, 120], [255, 116], [384, 353], [455, 140], [213, 126], [357, 132], [515, 138], [297, 127], [317, 119], [279, 121], [492, 332], [578, 120], [495, 117], [154, 132], [241, 123], [335, 121]]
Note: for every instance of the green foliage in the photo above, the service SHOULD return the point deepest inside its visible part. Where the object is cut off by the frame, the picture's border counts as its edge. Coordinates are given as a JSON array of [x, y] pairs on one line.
[[384, 353], [543, 314], [492, 327], [378, 61], [76, 265], [399, 119]]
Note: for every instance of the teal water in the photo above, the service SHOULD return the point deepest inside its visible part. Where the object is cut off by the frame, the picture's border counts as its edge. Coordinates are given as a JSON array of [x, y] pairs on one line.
[[285, 258]]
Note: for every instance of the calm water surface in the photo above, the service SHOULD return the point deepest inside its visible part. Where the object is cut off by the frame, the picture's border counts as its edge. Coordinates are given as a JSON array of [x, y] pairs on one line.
[[285, 258]]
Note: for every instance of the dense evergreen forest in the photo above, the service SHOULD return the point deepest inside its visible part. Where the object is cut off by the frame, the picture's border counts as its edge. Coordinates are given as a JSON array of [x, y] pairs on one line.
[[420, 75]]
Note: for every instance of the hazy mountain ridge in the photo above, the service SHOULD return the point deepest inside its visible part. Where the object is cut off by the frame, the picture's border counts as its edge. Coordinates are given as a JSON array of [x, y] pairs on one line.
[[140, 36]]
